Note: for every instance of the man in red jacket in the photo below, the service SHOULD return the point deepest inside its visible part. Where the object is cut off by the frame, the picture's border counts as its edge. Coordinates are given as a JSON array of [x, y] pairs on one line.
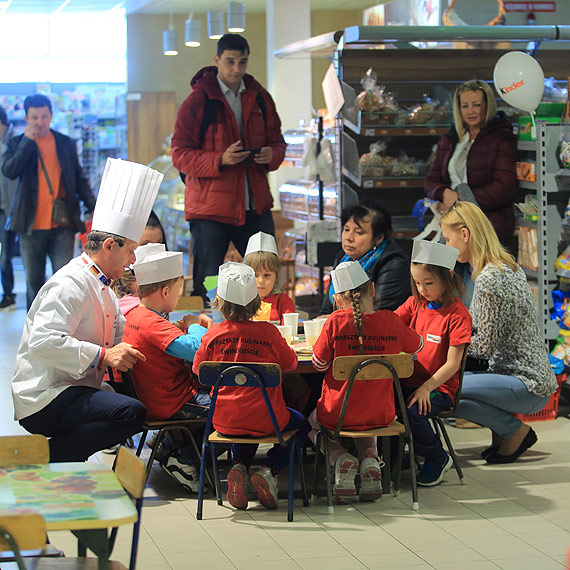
[[227, 137]]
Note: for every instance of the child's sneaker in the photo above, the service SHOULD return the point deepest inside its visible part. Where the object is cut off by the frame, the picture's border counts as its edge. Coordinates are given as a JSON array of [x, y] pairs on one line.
[[432, 472], [370, 479], [186, 475], [238, 479], [267, 488], [345, 470]]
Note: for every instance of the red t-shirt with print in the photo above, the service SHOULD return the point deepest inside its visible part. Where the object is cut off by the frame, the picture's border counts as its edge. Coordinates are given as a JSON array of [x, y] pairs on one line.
[[440, 328], [371, 402], [242, 411], [280, 303], [163, 382]]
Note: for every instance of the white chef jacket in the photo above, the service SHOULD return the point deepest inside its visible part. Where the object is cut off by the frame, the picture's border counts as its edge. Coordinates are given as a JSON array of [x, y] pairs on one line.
[[73, 316]]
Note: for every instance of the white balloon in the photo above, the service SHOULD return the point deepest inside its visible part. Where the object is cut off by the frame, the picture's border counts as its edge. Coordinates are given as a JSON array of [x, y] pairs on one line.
[[519, 80]]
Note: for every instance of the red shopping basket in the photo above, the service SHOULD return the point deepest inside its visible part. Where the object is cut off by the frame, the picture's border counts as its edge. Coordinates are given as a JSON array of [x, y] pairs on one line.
[[549, 411]]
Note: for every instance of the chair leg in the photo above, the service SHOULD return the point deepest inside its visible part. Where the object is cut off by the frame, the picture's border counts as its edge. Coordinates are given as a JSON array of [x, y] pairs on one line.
[[216, 473], [291, 483], [387, 469], [141, 442], [136, 532], [398, 469], [319, 442], [328, 475], [197, 451], [153, 451], [415, 501], [439, 422], [302, 475], [201, 484]]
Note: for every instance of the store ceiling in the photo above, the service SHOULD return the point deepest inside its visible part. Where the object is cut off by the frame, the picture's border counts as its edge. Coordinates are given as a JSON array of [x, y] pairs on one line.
[[163, 6]]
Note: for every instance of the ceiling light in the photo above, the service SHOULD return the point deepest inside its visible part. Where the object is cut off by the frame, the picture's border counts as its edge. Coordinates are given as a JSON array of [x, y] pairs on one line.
[[170, 39], [193, 33], [236, 17], [216, 28]]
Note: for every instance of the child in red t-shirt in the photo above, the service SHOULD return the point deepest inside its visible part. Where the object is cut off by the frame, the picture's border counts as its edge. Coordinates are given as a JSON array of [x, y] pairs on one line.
[[242, 411], [261, 255], [356, 329], [164, 382], [434, 311]]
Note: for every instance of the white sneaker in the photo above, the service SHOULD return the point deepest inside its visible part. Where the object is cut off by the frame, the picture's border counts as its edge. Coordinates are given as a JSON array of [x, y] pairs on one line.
[[186, 475], [345, 470], [370, 479], [238, 486], [266, 485]]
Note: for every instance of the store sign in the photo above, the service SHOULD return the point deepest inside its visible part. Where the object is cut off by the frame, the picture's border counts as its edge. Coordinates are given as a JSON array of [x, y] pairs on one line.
[[530, 6]]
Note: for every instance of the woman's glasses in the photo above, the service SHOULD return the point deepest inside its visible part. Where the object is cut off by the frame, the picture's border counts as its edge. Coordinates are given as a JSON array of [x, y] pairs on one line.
[[457, 212]]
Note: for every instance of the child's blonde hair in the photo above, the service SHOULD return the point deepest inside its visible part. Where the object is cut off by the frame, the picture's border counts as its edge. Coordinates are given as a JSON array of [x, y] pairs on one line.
[[125, 285], [235, 312], [150, 288], [360, 302], [265, 260], [453, 285]]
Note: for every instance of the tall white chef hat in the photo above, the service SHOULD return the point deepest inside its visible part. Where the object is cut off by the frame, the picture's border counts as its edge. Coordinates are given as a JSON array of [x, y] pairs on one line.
[[434, 253], [348, 275], [236, 283], [125, 198], [157, 267], [261, 242]]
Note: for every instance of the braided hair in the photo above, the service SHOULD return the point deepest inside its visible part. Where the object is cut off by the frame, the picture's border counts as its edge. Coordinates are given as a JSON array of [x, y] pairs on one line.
[[360, 302]]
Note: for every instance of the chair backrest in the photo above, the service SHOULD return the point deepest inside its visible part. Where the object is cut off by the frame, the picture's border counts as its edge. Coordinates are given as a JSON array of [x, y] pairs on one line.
[[131, 472], [26, 531], [189, 303], [381, 367], [127, 378], [241, 375], [23, 450]]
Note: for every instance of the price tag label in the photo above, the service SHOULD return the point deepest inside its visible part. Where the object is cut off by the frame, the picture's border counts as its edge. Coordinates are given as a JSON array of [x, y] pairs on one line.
[[369, 132], [367, 183]]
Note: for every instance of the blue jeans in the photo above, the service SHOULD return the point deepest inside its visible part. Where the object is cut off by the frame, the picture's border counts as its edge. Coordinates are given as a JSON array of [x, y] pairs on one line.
[[426, 441], [8, 241], [57, 244], [210, 241], [491, 400], [277, 456], [82, 421]]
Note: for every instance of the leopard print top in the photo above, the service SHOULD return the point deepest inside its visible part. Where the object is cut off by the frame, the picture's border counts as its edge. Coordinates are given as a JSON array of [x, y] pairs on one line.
[[506, 329]]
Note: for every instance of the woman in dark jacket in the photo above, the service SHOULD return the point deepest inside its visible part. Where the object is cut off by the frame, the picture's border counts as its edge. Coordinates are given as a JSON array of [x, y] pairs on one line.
[[480, 151], [366, 230]]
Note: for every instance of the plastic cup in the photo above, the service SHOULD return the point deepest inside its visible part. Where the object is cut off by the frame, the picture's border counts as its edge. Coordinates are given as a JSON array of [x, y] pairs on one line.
[[313, 330], [286, 332], [291, 319]]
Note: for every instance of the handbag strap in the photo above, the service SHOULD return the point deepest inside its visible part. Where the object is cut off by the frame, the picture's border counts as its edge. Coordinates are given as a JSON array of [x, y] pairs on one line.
[[47, 176]]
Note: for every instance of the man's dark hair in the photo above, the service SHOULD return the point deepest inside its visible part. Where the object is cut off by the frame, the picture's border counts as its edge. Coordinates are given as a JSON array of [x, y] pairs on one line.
[[232, 42], [37, 101], [96, 238], [3, 116], [381, 220]]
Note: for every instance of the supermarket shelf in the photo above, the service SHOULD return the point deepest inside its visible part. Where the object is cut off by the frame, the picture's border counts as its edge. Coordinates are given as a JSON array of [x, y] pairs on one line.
[[393, 182], [396, 130], [527, 185], [526, 145]]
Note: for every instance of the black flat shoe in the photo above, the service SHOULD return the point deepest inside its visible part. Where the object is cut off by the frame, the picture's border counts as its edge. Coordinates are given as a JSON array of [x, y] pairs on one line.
[[527, 442], [489, 451]]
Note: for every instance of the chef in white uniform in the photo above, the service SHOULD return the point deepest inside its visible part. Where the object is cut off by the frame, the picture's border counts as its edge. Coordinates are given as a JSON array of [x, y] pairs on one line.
[[74, 327]]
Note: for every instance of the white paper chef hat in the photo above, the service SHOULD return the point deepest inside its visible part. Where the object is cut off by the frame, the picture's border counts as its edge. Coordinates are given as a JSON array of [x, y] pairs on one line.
[[157, 267], [148, 249], [261, 242], [348, 275], [125, 198], [236, 283], [434, 253]]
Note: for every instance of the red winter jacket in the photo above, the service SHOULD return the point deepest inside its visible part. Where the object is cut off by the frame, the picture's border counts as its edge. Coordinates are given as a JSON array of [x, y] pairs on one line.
[[491, 171], [214, 192]]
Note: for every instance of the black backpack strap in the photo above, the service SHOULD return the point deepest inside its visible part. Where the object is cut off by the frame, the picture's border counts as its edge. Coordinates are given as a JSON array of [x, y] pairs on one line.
[[207, 117], [261, 102]]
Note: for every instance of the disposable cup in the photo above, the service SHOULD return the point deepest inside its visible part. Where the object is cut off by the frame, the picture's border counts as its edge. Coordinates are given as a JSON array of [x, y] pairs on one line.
[[313, 330], [286, 332], [291, 319]]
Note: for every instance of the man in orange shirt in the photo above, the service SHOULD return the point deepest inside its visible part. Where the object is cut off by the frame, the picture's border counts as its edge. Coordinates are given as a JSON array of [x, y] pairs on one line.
[[47, 168]]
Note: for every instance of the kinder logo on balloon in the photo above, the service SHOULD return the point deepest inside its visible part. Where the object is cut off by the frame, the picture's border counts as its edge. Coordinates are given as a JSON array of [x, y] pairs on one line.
[[519, 80], [505, 90]]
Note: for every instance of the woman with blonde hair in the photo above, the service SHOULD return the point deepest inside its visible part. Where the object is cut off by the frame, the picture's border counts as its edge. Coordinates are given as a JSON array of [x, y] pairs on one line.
[[519, 379], [478, 151]]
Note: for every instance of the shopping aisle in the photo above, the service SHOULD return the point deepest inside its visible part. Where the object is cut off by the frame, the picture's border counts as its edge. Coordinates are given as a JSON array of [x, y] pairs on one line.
[[510, 517]]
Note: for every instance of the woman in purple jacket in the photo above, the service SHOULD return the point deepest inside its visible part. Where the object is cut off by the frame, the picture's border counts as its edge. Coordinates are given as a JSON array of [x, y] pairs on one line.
[[480, 151]]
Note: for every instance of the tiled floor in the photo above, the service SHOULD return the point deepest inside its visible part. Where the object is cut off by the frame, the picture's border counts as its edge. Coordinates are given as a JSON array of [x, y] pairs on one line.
[[510, 517]]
